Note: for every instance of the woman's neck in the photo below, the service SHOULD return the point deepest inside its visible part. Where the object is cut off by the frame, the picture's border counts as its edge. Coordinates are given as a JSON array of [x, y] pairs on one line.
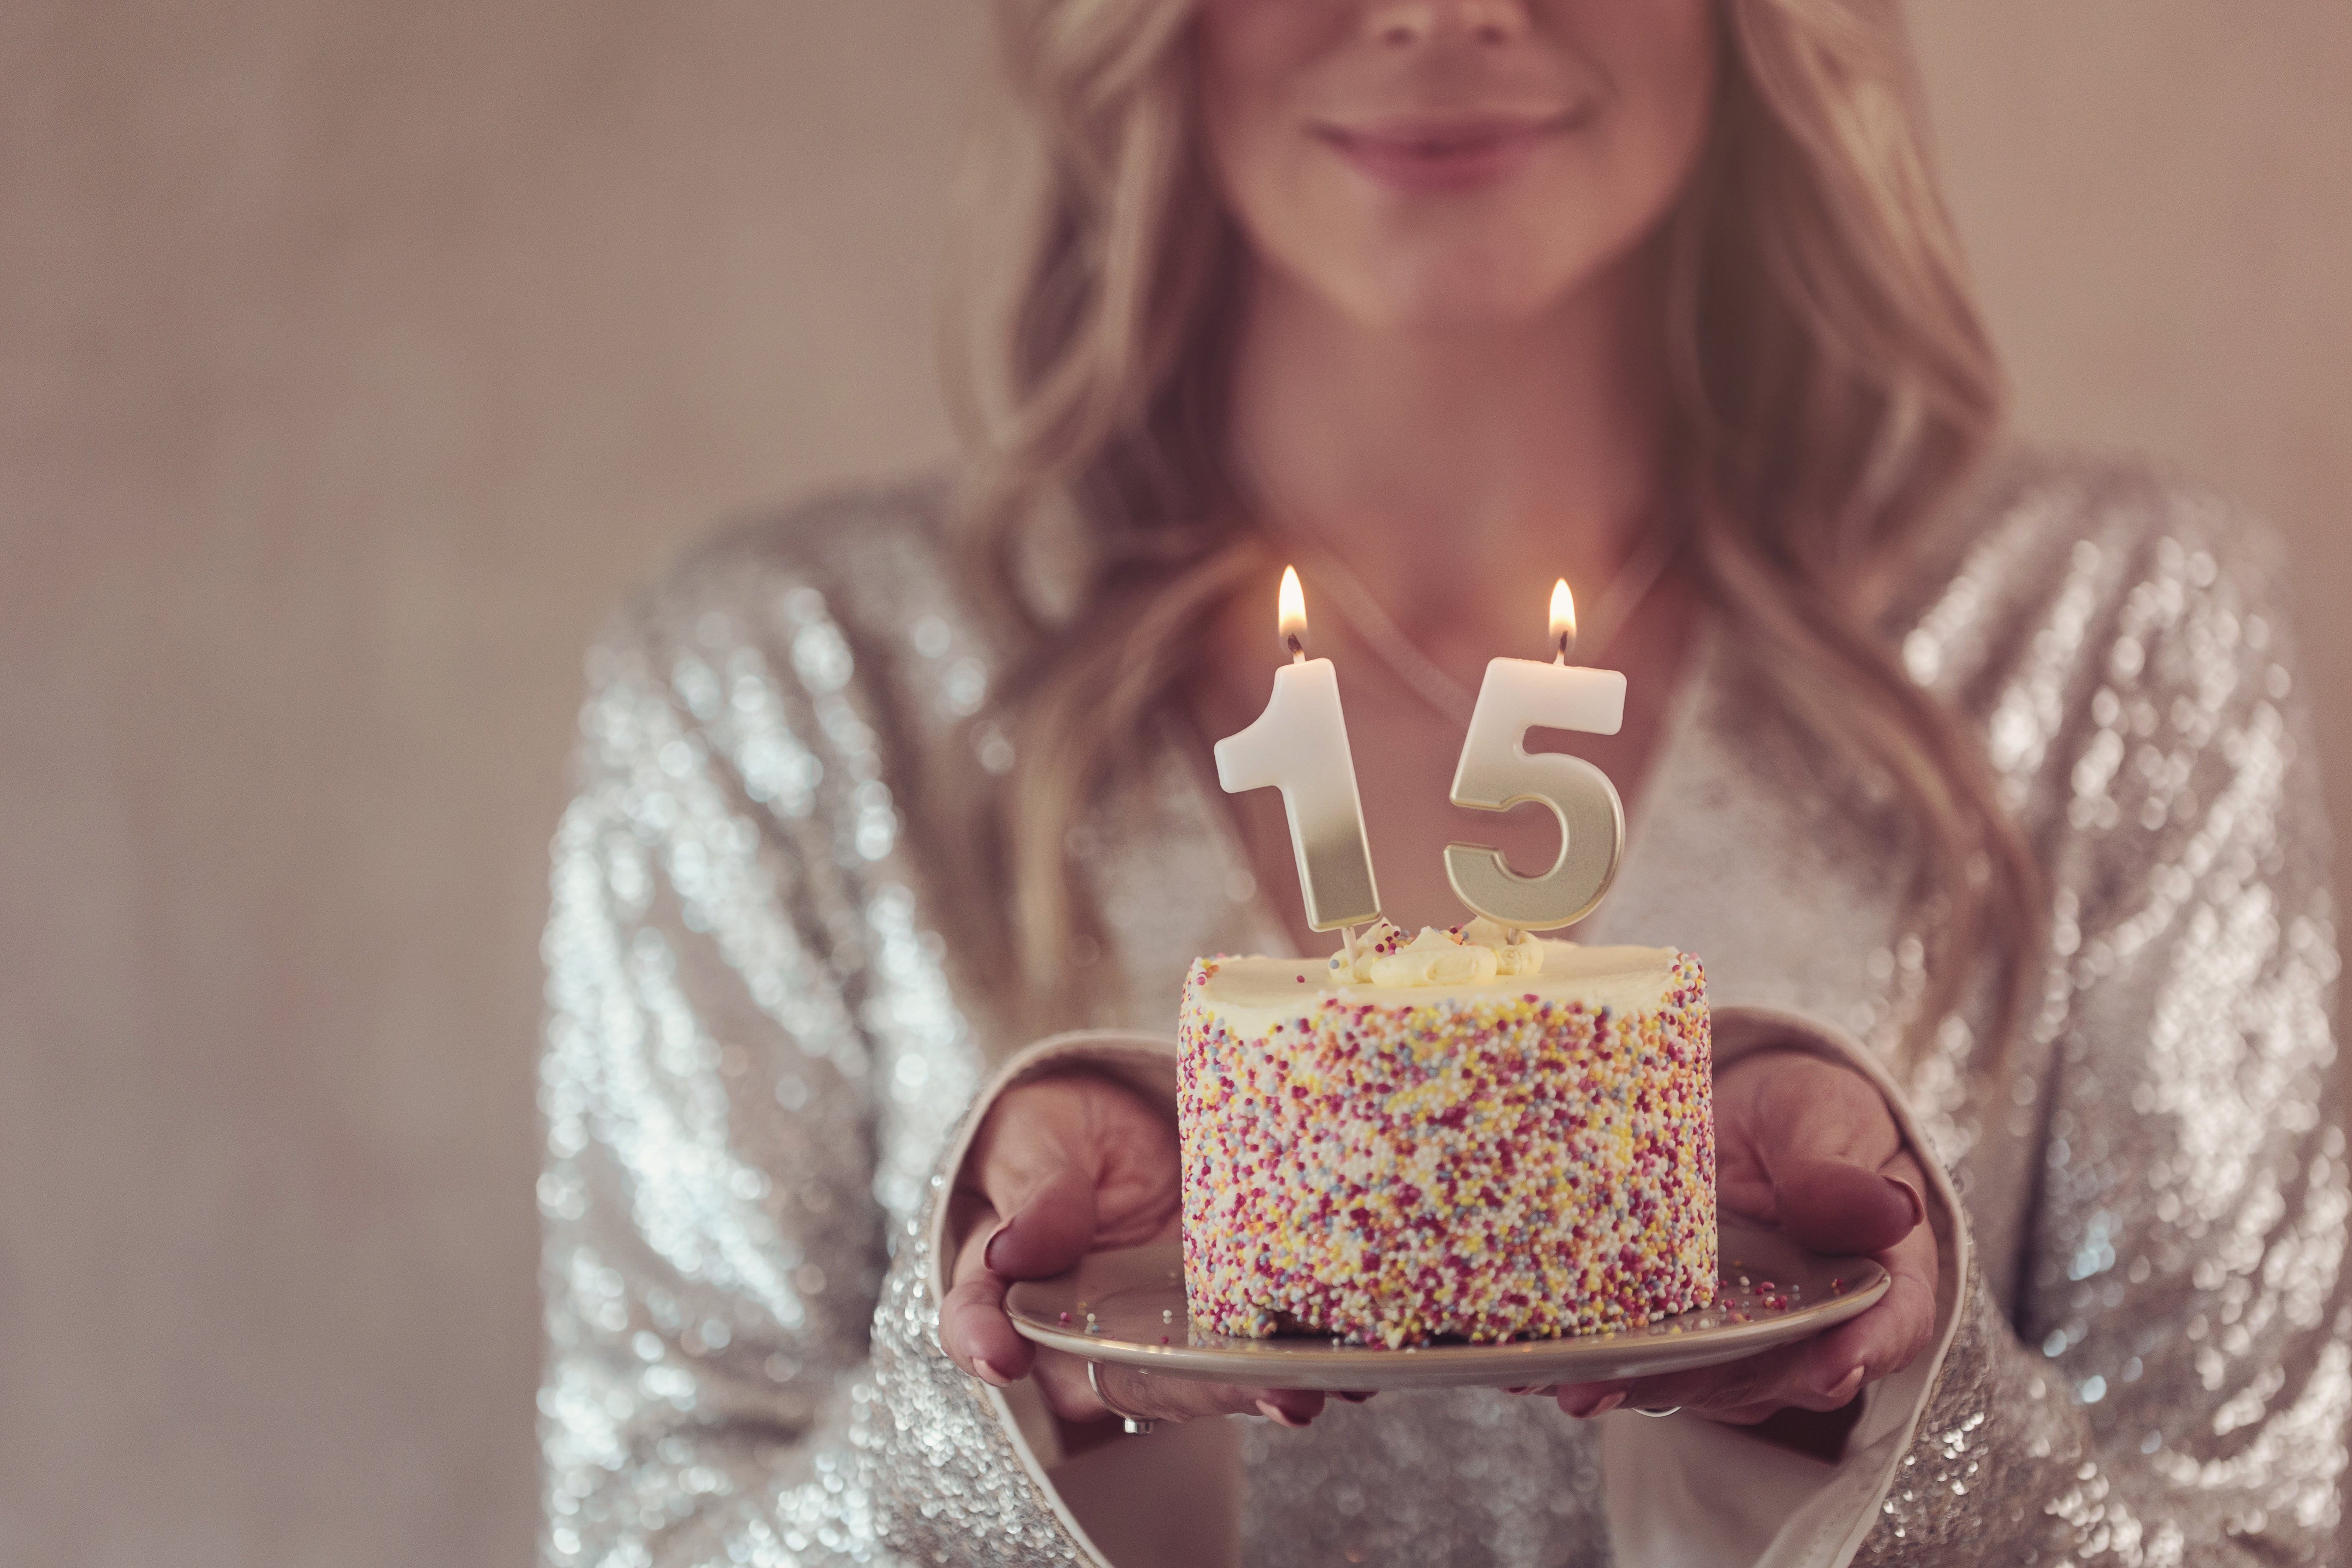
[[1457, 473], [1444, 462]]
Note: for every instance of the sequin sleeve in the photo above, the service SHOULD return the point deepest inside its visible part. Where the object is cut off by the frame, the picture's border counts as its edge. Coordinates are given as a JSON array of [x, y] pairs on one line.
[[752, 1061], [2168, 1380]]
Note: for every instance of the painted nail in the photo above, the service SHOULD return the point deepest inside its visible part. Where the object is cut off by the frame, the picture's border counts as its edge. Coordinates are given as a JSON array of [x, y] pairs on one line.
[[1910, 1195], [1355, 1397], [1278, 1415], [988, 1249], [988, 1372]]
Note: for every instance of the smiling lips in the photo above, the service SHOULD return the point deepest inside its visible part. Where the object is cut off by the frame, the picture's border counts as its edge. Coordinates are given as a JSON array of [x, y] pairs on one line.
[[1453, 154]]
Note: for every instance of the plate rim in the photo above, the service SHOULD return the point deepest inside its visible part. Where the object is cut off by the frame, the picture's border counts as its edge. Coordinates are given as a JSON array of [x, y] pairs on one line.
[[1326, 1366]]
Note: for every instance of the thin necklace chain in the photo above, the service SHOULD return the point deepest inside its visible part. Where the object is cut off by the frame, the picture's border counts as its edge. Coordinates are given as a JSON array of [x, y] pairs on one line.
[[1420, 674]]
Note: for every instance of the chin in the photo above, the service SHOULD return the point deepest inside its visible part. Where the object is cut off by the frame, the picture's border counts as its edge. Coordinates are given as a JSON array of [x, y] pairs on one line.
[[1458, 293], [1470, 265]]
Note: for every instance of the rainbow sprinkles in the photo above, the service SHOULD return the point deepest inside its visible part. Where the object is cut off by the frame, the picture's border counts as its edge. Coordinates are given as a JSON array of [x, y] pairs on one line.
[[1494, 1137]]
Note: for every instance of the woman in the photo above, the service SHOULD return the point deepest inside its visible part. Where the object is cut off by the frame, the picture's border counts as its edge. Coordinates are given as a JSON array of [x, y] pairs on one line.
[[1975, 782]]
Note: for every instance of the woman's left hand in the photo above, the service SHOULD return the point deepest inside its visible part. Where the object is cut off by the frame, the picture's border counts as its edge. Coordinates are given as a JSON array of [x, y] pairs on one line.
[[1809, 1148]]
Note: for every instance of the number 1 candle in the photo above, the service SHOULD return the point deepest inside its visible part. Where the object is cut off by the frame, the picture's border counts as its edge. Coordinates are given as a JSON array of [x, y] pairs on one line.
[[1498, 772], [1299, 745]]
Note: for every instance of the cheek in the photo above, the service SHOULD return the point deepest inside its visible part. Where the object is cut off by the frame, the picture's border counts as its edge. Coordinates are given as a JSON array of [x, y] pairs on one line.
[[1666, 77], [1249, 56], [1663, 59]]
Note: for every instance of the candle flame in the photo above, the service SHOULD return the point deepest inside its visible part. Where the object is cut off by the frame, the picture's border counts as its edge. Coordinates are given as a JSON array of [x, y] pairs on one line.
[[1563, 617], [1291, 615]]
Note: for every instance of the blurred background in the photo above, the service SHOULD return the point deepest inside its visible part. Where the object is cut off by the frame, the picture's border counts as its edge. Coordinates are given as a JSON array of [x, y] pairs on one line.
[[357, 356]]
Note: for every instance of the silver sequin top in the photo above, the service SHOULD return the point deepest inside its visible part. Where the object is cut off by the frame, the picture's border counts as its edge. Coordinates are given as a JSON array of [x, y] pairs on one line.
[[755, 1051]]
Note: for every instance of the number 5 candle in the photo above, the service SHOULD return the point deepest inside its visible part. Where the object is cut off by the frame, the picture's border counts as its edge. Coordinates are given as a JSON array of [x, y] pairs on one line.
[[1498, 772], [1299, 745]]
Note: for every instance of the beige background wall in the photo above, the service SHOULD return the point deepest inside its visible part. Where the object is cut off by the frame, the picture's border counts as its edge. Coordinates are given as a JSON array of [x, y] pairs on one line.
[[354, 355]]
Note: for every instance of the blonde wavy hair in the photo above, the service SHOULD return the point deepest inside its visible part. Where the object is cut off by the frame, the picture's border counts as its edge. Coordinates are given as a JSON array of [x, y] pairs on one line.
[[1833, 386]]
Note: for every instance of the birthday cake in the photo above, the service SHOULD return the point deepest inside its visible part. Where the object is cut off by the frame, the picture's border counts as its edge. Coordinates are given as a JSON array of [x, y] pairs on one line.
[[1471, 1133]]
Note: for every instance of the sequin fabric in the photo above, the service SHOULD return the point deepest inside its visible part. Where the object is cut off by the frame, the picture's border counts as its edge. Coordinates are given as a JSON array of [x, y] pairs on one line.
[[755, 1051]]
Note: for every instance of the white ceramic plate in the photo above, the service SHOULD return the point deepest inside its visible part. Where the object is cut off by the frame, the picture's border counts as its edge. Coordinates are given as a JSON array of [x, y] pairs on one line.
[[1135, 1300]]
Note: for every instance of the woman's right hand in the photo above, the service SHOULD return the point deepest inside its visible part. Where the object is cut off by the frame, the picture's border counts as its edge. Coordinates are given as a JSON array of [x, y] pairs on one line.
[[1063, 1166]]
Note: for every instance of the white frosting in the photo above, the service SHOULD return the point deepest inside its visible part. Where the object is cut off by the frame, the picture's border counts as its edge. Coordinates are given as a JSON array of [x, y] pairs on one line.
[[1253, 993], [1515, 951], [1457, 955]]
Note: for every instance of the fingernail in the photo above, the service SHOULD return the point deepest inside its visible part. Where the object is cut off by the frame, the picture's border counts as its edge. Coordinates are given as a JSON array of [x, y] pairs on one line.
[[988, 1374], [1910, 1195], [1278, 1415], [988, 1250], [1845, 1387], [1353, 1397]]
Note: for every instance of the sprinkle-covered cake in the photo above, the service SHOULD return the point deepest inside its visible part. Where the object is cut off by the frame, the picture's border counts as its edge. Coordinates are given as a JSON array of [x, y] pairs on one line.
[[1471, 1133]]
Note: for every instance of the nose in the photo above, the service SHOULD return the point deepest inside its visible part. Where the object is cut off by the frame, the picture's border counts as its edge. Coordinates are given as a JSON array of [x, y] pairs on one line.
[[1404, 23]]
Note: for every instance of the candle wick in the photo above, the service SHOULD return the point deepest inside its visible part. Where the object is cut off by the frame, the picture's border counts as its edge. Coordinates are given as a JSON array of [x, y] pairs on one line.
[[1297, 647], [1567, 647]]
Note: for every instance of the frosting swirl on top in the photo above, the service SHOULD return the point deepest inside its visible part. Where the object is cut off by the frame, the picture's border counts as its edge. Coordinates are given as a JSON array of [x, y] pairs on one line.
[[1440, 955]]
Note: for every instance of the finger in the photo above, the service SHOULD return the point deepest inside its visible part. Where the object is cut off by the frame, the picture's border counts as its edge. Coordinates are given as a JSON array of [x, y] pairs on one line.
[[1879, 1343], [1771, 1378], [1808, 1105], [978, 1336], [1060, 1134], [1585, 1400], [1816, 1142], [1835, 1205], [1765, 1381], [1893, 1333], [1048, 1233], [1822, 1373], [1047, 1236], [1819, 1373], [973, 1329], [1786, 1120], [1026, 1207], [1126, 1391]]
